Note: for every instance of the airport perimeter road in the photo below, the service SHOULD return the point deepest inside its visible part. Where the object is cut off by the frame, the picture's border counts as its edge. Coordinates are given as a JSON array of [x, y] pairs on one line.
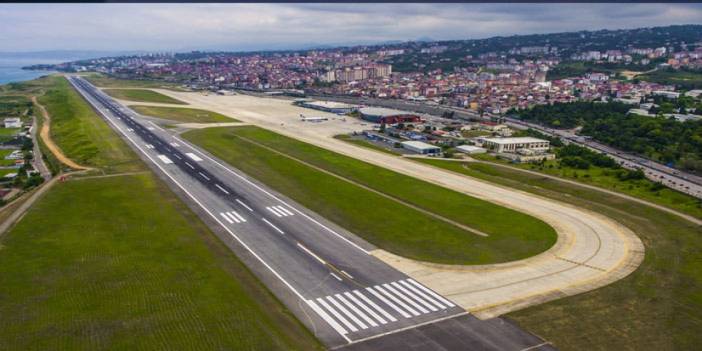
[[324, 274]]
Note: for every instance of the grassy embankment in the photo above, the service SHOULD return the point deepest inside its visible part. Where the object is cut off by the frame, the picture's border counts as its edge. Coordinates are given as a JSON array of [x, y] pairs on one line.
[[388, 223], [80, 133], [364, 143], [180, 114], [121, 263], [103, 81], [658, 307], [684, 79], [142, 95], [606, 178]]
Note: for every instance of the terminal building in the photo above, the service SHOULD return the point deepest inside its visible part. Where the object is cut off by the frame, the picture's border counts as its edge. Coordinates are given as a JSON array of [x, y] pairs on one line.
[[387, 116], [511, 145], [328, 106]]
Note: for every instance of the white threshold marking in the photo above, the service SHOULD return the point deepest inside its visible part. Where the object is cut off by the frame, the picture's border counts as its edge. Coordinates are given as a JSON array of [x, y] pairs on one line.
[[356, 310], [217, 185], [365, 308], [346, 312], [195, 158], [403, 297], [387, 302], [272, 225], [165, 159], [336, 326], [427, 297], [412, 295], [312, 254], [432, 293], [337, 315], [374, 305], [243, 204]]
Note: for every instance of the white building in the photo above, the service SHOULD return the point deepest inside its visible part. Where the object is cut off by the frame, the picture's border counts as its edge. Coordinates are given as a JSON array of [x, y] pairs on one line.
[[501, 145], [470, 149], [421, 148], [13, 122]]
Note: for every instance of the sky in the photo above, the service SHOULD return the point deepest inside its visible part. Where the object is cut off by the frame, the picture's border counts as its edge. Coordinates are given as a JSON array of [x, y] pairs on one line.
[[184, 27]]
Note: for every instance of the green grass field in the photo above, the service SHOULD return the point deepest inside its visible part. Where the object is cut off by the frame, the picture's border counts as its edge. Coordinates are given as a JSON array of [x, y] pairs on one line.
[[658, 307], [351, 140], [142, 95], [8, 133], [180, 114], [684, 79], [386, 223], [121, 263], [606, 179], [103, 81], [81, 134]]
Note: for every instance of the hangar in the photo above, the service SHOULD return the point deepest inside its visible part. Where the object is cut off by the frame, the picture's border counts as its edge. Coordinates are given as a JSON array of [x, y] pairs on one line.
[[387, 116]]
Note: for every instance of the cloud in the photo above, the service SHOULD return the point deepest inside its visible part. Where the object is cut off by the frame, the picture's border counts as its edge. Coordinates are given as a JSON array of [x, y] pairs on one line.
[[173, 27]]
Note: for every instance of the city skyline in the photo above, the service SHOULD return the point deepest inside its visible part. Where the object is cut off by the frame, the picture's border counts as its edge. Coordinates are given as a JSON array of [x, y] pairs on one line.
[[246, 27]]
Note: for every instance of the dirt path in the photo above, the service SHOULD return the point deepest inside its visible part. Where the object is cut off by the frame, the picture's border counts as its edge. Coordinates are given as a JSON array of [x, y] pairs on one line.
[[46, 137]]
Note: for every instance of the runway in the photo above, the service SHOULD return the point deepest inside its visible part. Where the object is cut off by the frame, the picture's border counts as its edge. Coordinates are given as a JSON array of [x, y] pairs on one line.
[[321, 272]]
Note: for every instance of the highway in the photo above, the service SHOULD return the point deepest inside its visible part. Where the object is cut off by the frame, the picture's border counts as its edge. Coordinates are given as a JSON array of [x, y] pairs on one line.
[[322, 273], [675, 179]]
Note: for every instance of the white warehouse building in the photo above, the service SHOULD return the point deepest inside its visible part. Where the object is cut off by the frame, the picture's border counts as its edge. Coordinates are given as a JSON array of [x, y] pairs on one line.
[[501, 145], [421, 148]]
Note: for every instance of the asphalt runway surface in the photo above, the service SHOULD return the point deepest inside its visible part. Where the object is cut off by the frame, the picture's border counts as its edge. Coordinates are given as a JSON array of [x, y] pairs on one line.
[[324, 274]]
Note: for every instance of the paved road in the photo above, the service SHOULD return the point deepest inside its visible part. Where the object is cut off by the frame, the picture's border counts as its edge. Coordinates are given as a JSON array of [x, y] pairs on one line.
[[324, 274]]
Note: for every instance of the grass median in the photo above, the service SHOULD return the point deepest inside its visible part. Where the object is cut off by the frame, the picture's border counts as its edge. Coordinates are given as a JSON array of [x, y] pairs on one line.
[[658, 307], [180, 114], [142, 95], [386, 222]]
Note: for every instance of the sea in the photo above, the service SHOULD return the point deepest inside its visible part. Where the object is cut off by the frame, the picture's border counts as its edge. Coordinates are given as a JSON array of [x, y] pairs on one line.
[[11, 69]]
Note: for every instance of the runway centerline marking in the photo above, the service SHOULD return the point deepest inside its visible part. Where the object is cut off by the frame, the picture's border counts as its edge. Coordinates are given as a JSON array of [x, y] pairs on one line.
[[312, 254], [220, 187], [243, 204], [272, 225]]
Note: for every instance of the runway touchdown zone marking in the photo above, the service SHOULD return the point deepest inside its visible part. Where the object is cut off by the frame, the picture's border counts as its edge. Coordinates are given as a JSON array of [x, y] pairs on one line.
[[280, 211], [232, 217], [165, 159], [377, 305]]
